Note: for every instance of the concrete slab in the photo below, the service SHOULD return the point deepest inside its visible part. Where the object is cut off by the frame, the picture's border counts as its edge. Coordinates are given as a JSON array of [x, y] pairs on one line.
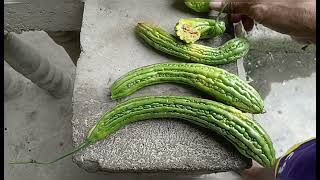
[[35, 122], [33, 15], [110, 48]]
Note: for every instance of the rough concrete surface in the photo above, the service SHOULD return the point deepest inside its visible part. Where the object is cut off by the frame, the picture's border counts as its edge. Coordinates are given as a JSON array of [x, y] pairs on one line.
[[36, 124], [69, 40], [36, 66], [50, 15], [110, 49]]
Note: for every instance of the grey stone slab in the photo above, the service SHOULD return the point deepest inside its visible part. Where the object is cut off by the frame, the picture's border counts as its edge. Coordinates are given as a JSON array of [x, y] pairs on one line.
[[51, 15], [36, 124], [110, 49]]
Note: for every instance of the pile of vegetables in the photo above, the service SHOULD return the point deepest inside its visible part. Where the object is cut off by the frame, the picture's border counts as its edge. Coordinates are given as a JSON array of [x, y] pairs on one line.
[[233, 96]]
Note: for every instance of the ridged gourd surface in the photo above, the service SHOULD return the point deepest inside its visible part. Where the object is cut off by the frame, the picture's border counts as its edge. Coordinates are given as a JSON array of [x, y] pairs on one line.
[[198, 5], [167, 43], [220, 84], [244, 133]]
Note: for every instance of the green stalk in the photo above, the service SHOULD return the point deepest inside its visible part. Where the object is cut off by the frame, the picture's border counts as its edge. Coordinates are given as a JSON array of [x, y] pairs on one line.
[[81, 146]]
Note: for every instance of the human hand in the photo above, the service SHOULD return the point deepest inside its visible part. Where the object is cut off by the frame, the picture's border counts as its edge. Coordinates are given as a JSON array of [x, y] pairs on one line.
[[293, 17], [257, 172]]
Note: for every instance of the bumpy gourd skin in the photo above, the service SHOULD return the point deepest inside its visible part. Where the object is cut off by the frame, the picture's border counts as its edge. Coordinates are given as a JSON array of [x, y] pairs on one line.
[[244, 133], [198, 5], [220, 84], [193, 29], [167, 43]]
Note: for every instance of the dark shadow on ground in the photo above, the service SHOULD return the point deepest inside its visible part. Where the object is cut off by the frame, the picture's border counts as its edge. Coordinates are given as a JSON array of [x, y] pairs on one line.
[[266, 67], [70, 41]]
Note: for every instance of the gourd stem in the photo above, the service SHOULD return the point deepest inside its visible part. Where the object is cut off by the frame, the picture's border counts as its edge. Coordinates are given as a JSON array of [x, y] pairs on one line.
[[220, 12], [81, 146]]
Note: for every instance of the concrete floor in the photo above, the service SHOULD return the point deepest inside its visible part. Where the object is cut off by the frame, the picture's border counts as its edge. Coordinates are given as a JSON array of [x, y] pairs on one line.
[[38, 126]]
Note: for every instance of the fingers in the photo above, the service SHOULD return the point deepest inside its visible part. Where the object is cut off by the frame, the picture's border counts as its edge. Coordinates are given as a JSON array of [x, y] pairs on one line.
[[247, 22], [233, 6], [238, 10], [258, 173], [216, 5], [235, 18], [250, 173]]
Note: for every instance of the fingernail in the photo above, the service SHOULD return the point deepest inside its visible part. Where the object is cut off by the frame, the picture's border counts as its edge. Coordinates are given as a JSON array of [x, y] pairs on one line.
[[216, 5]]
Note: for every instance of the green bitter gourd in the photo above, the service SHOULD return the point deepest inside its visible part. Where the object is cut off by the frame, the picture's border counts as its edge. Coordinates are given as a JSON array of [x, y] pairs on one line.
[[198, 5], [192, 29], [244, 133], [218, 83], [167, 43]]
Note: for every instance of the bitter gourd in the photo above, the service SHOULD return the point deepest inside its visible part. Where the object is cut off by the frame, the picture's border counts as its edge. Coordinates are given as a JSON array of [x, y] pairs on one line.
[[191, 29], [222, 85], [244, 133], [165, 42], [198, 5]]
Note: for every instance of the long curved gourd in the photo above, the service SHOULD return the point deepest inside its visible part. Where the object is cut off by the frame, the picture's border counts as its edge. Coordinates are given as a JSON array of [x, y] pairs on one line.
[[220, 84], [192, 29], [167, 43], [244, 133], [198, 5]]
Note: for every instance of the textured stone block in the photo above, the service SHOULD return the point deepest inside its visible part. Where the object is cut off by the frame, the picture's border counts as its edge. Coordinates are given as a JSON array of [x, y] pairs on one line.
[[111, 49]]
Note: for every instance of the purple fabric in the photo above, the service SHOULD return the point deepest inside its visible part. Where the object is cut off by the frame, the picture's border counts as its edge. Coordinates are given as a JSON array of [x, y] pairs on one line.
[[300, 164]]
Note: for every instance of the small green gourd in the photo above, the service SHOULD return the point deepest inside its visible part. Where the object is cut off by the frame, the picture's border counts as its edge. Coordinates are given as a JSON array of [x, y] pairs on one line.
[[192, 29]]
